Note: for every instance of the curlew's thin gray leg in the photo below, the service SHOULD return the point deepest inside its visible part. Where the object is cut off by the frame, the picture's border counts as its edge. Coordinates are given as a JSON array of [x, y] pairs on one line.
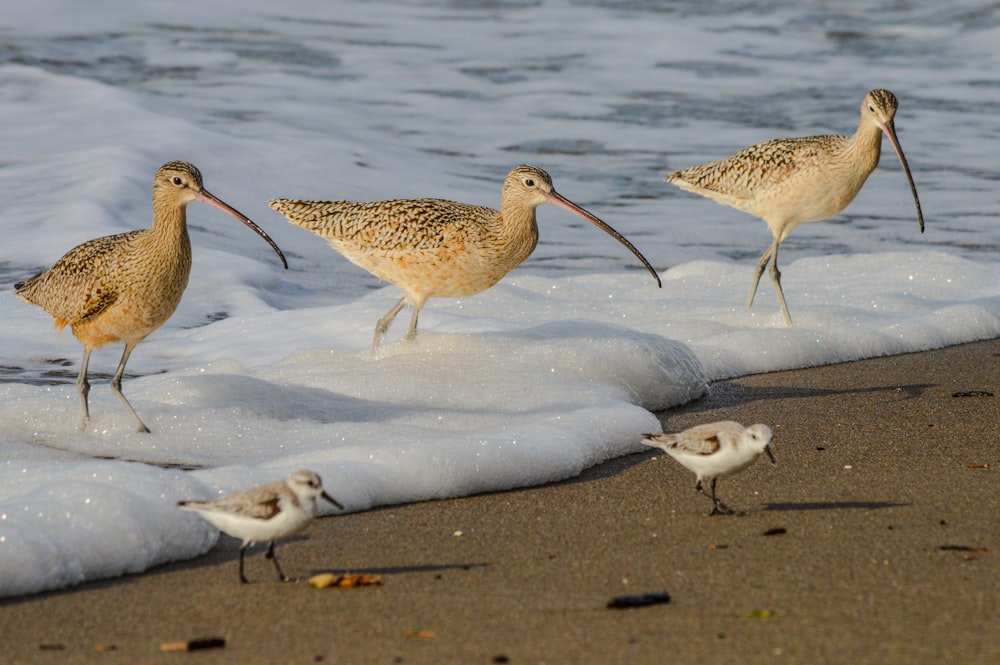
[[760, 271], [383, 324], [274, 558], [116, 388], [770, 256], [411, 334], [83, 386], [776, 278]]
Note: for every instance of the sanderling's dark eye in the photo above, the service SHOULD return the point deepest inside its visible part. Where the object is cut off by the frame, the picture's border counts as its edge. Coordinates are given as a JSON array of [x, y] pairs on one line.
[[177, 180]]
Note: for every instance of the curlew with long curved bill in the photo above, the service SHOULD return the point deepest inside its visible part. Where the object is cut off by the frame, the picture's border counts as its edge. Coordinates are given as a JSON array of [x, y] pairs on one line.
[[787, 182], [438, 248], [120, 288]]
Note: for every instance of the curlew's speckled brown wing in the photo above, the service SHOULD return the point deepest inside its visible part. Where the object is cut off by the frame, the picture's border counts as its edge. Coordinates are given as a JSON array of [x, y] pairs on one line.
[[406, 225], [752, 171], [79, 285]]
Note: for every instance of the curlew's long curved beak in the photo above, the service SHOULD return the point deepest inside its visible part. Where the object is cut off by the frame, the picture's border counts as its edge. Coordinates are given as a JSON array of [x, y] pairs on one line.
[[889, 129], [331, 500], [558, 200], [207, 197]]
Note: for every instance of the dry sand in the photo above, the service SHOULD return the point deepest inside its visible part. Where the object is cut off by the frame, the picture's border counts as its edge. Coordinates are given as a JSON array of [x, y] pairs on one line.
[[886, 490]]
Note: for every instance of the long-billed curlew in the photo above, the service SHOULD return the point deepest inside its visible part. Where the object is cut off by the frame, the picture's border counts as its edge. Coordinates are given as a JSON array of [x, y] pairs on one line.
[[787, 182], [715, 450], [266, 512], [438, 248], [122, 287]]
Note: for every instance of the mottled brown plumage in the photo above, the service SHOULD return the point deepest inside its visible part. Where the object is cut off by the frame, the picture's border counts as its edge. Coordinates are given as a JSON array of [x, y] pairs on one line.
[[787, 182], [122, 287], [438, 248]]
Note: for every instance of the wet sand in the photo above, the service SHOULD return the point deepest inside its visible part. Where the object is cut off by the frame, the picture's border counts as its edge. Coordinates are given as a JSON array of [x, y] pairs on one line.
[[883, 510]]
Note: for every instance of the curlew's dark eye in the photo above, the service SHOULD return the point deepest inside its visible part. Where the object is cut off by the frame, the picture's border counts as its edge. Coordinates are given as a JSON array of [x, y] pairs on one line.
[[871, 108], [529, 182], [177, 180]]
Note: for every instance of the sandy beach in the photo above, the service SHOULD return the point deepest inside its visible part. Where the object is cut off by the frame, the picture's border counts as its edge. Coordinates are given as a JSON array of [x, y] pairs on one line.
[[874, 539]]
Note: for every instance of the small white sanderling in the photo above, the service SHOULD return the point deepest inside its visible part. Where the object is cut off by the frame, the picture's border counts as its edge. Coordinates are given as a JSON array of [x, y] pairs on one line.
[[714, 450], [265, 513]]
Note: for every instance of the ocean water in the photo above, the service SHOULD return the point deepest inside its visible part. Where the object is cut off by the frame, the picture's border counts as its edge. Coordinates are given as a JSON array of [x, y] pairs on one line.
[[263, 371]]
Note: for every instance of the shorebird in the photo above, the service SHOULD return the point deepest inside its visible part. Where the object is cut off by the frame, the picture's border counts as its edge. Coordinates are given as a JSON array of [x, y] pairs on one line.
[[438, 248], [266, 512], [714, 450], [787, 182], [120, 288]]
